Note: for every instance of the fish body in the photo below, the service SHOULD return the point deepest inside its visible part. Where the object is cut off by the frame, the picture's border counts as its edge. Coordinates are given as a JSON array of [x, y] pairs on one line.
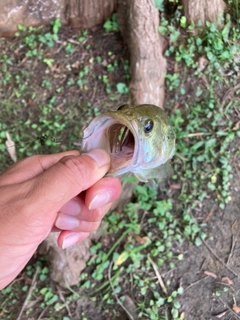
[[138, 138]]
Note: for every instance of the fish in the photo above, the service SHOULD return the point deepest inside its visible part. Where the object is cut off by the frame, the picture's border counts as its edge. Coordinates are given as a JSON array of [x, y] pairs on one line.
[[138, 138]]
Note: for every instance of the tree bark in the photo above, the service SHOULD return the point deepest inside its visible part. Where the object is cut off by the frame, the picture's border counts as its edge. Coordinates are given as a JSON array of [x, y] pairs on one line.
[[85, 14], [139, 21], [204, 10], [80, 14]]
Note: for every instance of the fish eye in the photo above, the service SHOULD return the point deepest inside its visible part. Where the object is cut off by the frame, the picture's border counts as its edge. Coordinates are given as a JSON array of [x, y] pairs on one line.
[[148, 126]]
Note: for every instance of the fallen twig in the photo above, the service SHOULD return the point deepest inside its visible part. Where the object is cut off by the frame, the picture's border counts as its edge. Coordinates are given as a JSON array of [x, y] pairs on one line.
[[225, 304], [210, 274], [115, 295], [220, 315], [196, 134], [194, 283], [209, 214], [94, 92], [160, 280], [234, 239], [43, 312], [219, 259], [33, 284], [74, 41], [64, 301], [10, 145]]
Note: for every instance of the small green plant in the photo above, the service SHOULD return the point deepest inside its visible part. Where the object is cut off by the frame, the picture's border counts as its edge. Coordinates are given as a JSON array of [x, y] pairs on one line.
[[83, 77], [70, 48], [234, 9], [159, 4], [111, 24], [83, 36], [56, 25], [172, 81], [49, 297], [105, 80], [48, 39], [122, 88], [217, 45], [48, 61], [166, 29]]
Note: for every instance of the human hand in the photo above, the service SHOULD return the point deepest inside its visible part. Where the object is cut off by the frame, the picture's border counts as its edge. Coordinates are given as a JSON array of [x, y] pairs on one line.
[[47, 192]]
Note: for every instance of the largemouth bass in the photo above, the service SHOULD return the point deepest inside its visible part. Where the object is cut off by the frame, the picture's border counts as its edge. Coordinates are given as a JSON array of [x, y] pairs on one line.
[[138, 138]]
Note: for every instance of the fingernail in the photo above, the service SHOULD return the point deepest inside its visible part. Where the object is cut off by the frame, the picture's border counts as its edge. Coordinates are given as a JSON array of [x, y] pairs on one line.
[[70, 240], [72, 207], [99, 200], [66, 222], [100, 156]]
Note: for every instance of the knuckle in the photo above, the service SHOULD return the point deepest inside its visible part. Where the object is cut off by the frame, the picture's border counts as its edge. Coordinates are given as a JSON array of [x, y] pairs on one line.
[[25, 162], [98, 214], [88, 226], [76, 168], [93, 226]]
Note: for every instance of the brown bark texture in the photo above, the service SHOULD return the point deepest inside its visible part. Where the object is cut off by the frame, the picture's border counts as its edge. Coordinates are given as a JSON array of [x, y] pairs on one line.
[[139, 21], [81, 14], [85, 14], [204, 10], [65, 265]]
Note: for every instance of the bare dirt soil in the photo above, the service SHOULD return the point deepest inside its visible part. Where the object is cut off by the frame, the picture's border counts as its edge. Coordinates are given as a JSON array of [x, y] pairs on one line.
[[208, 269]]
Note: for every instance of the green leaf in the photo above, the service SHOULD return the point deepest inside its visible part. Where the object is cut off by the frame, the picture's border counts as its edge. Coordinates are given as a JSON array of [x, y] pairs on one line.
[[177, 305], [56, 25], [163, 30], [210, 56], [180, 290], [107, 26], [197, 145], [21, 27], [159, 4], [198, 242], [174, 313], [122, 88], [174, 36], [225, 55], [44, 290], [183, 22]]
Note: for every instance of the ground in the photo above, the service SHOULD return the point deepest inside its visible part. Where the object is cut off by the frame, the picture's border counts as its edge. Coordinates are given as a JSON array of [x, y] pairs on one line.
[[172, 253]]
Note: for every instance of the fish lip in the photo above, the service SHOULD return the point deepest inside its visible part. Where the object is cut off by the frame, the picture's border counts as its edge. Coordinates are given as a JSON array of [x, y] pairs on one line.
[[103, 122]]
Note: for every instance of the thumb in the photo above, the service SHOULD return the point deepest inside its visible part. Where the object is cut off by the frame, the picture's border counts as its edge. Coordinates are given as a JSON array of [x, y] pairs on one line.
[[50, 190], [69, 177]]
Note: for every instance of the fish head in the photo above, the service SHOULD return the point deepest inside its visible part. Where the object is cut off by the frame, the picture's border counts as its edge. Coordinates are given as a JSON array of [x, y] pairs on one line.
[[138, 138]]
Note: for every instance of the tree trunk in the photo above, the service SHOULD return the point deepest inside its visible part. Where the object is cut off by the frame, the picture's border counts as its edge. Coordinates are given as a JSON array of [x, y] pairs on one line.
[[85, 14], [139, 21], [204, 10], [81, 14]]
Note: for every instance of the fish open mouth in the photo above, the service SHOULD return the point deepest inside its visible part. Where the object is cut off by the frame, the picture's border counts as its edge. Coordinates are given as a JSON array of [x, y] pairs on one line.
[[121, 145], [119, 137]]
